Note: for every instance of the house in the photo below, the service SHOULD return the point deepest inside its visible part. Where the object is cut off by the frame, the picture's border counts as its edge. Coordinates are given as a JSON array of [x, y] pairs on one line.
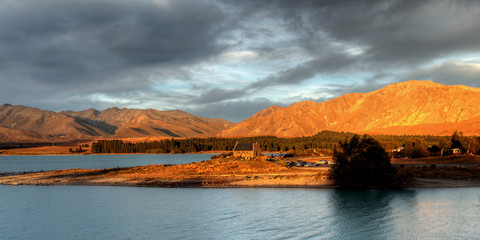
[[398, 150], [456, 151], [245, 149]]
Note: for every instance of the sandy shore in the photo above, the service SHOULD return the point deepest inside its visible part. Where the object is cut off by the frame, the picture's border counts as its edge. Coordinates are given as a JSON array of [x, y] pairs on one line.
[[96, 178], [79, 177], [254, 183]]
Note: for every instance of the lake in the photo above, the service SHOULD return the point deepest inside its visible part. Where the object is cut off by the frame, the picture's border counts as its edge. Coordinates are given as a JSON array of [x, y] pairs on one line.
[[57, 162], [91, 212]]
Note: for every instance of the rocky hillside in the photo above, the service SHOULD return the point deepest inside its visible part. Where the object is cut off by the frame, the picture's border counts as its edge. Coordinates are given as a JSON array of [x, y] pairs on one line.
[[20, 123], [125, 123], [412, 107]]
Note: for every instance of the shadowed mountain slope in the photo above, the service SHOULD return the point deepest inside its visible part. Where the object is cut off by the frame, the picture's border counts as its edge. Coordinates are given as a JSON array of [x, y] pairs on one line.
[[125, 123], [21, 123]]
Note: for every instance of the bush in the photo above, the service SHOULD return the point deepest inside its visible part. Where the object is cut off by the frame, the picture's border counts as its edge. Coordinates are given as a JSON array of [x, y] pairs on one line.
[[362, 163], [415, 148]]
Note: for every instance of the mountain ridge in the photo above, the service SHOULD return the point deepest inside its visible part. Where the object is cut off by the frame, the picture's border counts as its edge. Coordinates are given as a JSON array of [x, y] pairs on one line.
[[21, 123], [397, 105], [410, 107]]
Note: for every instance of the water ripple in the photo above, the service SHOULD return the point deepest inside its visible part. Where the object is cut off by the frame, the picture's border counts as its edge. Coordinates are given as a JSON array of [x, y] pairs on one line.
[[74, 212]]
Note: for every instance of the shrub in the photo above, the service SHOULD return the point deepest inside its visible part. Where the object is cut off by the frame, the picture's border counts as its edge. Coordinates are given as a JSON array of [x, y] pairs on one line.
[[362, 163]]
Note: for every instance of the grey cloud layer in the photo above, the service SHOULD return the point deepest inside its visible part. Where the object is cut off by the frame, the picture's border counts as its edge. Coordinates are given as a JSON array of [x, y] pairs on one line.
[[73, 42], [56, 53], [392, 35]]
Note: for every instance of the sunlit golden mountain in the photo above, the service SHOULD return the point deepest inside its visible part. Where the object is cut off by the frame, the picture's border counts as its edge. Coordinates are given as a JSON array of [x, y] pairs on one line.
[[411, 107]]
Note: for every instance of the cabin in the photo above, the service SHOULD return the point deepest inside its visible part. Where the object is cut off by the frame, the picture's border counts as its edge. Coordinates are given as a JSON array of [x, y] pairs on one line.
[[246, 149], [456, 151], [398, 152]]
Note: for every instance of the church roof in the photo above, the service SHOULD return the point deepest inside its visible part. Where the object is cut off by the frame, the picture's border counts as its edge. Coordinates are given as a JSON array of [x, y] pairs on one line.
[[243, 146]]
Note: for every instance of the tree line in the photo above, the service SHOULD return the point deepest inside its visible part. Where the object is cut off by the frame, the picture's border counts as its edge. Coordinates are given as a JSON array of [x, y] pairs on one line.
[[457, 143], [322, 140]]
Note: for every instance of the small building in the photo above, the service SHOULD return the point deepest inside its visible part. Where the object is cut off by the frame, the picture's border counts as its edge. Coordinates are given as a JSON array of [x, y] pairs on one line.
[[398, 150], [245, 149], [456, 151]]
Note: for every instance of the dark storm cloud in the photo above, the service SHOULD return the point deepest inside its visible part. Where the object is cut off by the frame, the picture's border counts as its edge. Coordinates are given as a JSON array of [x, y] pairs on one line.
[[218, 95], [392, 32], [328, 64], [65, 42], [450, 73], [374, 37], [387, 34], [235, 111]]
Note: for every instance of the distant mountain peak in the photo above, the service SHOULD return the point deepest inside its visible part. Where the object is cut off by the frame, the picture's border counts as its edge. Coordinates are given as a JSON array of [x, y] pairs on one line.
[[306, 103], [420, 82]]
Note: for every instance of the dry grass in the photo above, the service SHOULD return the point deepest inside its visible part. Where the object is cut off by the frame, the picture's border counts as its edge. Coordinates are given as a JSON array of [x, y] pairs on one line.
[[216, 173], [46, 150]]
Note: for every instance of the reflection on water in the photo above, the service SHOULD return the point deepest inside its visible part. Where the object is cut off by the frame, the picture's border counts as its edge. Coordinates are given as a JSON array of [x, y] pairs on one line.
[[366, 213], [406, 214], [77, 212]]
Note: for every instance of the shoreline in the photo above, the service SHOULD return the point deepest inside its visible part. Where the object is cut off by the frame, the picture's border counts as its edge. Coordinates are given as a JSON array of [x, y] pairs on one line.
[[418, 184], [239, 173], [83, 177], [95, 154]]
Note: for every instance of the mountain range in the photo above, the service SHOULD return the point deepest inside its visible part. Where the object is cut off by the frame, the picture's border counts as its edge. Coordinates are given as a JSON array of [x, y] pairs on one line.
[[21, 123], [411, 107]]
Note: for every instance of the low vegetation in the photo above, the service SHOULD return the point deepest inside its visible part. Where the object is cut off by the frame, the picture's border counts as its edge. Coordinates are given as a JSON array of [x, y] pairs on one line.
[[79, 149]]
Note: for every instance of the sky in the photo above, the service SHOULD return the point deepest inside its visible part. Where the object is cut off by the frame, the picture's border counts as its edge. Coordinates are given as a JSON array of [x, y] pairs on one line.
[[227, 59]]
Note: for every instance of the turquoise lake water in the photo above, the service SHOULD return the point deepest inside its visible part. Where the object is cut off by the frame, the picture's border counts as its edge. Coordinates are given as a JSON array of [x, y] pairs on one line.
[[90, 212], [58, 162], [94, 212]]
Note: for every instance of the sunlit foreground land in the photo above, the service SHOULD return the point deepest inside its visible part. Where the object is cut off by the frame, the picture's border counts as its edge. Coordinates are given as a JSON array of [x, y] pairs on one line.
[[454, 171], [213, 173]]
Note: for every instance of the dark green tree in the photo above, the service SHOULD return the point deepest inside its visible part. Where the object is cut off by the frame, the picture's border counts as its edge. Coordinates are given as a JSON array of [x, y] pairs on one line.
[[362, 162], [458, 141], [416, 148]]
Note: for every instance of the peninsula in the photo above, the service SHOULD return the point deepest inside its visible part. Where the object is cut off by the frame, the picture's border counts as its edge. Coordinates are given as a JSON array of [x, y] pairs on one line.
[[454, 171]]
